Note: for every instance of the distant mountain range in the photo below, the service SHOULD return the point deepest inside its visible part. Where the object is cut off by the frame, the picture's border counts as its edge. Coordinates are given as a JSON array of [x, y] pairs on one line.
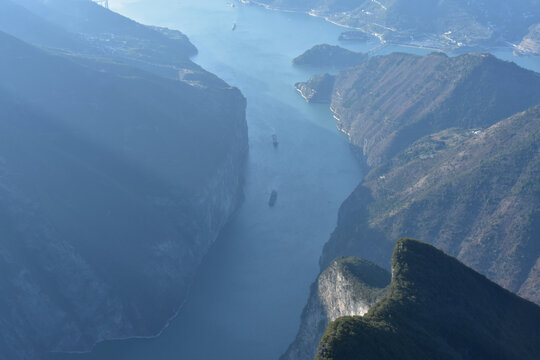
[[325, 55], [120, 161], [439, 24], [436, 308]]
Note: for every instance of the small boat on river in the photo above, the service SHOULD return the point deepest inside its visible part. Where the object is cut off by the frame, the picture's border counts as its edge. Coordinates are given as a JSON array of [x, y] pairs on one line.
[[274, 140], [273, 198]]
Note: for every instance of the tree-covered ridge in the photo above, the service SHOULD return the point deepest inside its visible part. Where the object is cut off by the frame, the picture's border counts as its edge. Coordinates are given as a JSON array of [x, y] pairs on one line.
[[436, 308], [325, 55]]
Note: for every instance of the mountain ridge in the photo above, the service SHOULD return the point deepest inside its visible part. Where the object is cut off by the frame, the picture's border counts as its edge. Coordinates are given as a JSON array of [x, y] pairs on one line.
[[348, 286], [475, 177], [431, 296]]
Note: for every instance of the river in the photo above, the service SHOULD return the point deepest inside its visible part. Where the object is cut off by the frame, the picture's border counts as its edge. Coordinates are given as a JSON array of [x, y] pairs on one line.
[[247, 299]]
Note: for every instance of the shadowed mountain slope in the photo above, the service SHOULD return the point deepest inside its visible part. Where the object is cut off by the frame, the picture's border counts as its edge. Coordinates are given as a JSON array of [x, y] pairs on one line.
[[114, 182], [390, 101]]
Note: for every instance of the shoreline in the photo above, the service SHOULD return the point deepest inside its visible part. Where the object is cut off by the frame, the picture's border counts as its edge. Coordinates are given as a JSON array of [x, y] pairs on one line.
[[453, 51], [302, 95], [127, 338]]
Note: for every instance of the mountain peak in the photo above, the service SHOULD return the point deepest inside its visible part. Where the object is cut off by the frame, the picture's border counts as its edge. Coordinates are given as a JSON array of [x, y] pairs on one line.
[[437, 308]]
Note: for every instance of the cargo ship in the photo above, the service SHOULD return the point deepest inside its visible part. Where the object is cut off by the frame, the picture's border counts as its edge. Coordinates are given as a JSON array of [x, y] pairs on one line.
[[274, 140], [273, 198]]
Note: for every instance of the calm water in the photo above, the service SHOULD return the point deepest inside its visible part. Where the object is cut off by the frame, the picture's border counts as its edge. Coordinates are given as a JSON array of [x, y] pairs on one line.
[[247, 300]]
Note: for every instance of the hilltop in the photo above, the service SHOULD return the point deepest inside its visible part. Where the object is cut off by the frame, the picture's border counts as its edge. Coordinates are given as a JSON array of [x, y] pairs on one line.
[[325, 55], [436, 308]]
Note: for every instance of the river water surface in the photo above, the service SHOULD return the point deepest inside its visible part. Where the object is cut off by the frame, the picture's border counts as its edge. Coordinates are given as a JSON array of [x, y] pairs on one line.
[[247, 299]]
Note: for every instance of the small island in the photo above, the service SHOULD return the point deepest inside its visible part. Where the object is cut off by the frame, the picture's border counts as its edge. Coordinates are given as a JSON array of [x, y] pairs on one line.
[[325, 55]]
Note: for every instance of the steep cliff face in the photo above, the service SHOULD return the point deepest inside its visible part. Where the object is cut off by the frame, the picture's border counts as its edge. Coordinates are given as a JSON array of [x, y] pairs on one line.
[[474, 193], [115, 180], [318, 89], [349, 286], [436, 308]]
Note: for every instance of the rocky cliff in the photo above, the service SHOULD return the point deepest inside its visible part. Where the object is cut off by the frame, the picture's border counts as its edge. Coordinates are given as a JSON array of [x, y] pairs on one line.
[[349, 286], [436, 308], [115, 178], [325, 55]]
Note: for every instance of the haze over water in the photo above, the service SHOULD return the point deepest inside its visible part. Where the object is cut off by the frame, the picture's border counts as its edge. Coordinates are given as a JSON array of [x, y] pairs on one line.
[[247, 300]]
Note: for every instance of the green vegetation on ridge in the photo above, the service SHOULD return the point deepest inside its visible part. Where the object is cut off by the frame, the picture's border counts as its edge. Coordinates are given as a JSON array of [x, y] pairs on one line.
[[437, 308], [325, 55]]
